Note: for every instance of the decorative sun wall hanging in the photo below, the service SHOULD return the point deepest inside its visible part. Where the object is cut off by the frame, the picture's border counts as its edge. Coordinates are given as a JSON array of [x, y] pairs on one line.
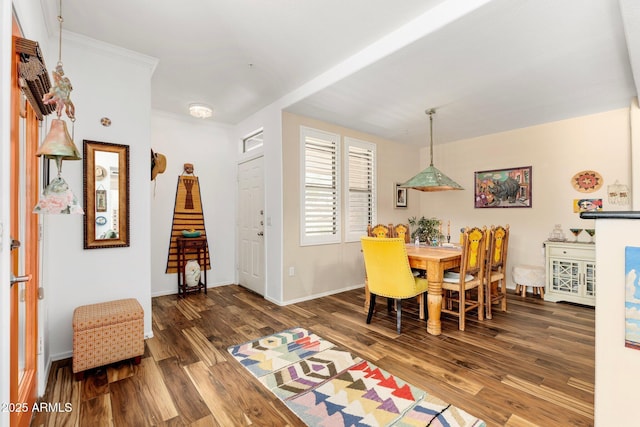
[[587, 181]]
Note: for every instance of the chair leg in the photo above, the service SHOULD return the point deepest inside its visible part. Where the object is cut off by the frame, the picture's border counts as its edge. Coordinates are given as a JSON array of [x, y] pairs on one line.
[[481, 302], [372, 304], [366, 294], [488, 298], [424, 306], [390, 304], [398, 314], [462, 306]]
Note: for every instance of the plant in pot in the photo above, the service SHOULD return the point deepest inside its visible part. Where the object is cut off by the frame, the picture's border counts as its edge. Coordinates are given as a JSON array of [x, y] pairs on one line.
[[425, 229]]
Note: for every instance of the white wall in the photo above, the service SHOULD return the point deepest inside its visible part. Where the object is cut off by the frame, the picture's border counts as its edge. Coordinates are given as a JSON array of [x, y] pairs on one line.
[[617, 374], [328, 269], [212, 151], [556, 151], [114, 83]]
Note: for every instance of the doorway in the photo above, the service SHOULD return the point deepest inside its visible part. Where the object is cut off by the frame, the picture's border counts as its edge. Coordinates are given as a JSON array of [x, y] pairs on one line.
[[251, 219]]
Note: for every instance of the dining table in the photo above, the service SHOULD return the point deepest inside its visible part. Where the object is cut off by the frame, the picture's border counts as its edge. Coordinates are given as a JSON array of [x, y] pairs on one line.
[[435, 260]]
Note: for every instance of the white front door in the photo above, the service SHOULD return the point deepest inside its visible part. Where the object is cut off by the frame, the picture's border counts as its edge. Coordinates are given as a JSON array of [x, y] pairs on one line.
[[251, 225]]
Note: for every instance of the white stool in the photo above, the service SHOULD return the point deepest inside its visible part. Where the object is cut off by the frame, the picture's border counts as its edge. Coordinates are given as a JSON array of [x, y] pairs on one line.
[[529, 275]]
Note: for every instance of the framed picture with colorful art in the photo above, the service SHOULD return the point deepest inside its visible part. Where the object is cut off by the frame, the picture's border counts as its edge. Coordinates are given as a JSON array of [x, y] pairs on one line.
[[587, 205], [503, 188]]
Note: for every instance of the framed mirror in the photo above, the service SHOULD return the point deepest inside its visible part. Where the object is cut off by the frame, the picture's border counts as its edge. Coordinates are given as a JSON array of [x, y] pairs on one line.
[[106, 194]]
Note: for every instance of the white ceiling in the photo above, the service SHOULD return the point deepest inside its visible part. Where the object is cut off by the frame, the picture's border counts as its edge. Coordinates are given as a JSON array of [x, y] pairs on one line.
[[485, 65]]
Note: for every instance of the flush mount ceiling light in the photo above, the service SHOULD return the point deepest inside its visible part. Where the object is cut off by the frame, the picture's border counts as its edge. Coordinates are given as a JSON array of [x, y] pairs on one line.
[[200, 111], [431, 179]]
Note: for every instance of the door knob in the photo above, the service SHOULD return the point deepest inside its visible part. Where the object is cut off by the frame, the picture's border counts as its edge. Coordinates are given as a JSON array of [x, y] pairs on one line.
[[260, 233]]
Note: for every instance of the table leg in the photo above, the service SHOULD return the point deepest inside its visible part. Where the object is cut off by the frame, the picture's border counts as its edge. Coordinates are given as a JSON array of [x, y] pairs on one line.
[[434, 306], [434, 299]]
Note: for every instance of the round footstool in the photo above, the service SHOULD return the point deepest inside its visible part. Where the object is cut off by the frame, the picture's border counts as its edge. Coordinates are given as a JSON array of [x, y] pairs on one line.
[[529, 275]]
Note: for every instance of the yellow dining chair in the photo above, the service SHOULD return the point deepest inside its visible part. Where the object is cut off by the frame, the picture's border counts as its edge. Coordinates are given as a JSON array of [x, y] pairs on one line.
[[456, 285], [402, 231], [379, 230], [495, 270], [389, 274]]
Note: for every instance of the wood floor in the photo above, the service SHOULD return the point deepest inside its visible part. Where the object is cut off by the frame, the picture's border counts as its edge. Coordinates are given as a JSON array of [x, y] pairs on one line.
[[533, 365]]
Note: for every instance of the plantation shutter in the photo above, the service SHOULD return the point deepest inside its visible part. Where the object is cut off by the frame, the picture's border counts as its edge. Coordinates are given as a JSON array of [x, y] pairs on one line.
[[320, 213], [360, 188]]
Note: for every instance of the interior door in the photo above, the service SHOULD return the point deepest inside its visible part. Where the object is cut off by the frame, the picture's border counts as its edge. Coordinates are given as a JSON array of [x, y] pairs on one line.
[[251, 225], [24, 253]]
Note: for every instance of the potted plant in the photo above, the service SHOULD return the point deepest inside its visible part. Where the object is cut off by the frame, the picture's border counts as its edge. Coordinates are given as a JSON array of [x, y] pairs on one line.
[[425, 229]]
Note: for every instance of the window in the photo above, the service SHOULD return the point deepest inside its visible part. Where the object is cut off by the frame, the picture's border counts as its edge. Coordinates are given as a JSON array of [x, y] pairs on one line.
[[252, 141], [360, 188], [320, 187]]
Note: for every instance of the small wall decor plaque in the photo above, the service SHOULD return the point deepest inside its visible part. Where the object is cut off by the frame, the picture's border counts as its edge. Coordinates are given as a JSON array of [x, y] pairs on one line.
[[587, 205], [587, 181], [618, 194]]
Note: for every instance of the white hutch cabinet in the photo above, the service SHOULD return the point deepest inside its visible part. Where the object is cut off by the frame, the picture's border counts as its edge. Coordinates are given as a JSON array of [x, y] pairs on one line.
[[571, 272]]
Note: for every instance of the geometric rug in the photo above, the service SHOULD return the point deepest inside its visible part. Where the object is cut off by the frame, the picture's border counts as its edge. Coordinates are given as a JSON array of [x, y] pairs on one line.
[[328, 386]]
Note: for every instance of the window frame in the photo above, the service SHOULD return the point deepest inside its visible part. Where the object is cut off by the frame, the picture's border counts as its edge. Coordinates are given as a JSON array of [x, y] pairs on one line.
[[251, 137]]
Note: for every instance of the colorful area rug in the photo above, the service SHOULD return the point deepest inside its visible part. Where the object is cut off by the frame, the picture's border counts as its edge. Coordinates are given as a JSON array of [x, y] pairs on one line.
[[327, 386]]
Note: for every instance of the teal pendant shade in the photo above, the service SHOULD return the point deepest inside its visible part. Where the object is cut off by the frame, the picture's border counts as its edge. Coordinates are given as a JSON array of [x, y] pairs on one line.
[[431, 179]]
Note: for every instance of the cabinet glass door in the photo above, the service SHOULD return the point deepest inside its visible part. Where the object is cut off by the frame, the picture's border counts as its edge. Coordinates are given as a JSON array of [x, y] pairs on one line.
[[565, 277], [590, 280]]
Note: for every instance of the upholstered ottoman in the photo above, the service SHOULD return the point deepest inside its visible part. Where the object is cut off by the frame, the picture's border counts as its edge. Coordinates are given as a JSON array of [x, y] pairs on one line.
[[107, 332], [529, 275]]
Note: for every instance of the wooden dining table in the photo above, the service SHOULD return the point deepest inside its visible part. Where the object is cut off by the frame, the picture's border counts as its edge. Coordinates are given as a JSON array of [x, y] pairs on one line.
[[435, 260]]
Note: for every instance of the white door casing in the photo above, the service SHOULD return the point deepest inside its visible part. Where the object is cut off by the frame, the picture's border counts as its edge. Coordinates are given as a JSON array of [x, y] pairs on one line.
[[251, 225]]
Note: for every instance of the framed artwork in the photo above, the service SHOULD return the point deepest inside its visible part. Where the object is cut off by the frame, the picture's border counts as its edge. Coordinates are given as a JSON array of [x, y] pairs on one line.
[[632, 297], [587, 205], [101, 200], [503, 188], [400, 197]]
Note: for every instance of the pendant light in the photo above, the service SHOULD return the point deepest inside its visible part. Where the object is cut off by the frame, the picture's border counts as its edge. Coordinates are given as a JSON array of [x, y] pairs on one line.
[[431, 179]]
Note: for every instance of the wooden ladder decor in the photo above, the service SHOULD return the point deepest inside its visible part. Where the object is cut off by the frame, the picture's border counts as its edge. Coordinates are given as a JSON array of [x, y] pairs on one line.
[[187, 215]]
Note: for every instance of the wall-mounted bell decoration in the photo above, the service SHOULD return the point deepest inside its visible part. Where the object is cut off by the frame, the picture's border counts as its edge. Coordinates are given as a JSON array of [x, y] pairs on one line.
[[57, 197]]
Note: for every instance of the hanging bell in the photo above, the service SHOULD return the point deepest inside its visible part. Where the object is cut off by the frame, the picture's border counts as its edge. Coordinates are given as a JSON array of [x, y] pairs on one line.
[[58, 143]]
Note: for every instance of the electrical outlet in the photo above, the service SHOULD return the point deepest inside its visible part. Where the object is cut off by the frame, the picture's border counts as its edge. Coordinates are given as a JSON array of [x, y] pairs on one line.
[[292, 271]]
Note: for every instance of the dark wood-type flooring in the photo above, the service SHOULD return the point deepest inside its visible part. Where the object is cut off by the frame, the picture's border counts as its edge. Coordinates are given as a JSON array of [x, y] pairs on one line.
[[533, 365]]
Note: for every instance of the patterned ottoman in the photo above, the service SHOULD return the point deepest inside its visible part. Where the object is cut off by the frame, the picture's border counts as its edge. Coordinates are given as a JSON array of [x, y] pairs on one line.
[[107, 332]]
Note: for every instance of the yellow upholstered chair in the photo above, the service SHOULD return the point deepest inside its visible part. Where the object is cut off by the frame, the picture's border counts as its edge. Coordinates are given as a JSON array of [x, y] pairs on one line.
[[456, 285], [379, 230], [389, 274], [496, 268]]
